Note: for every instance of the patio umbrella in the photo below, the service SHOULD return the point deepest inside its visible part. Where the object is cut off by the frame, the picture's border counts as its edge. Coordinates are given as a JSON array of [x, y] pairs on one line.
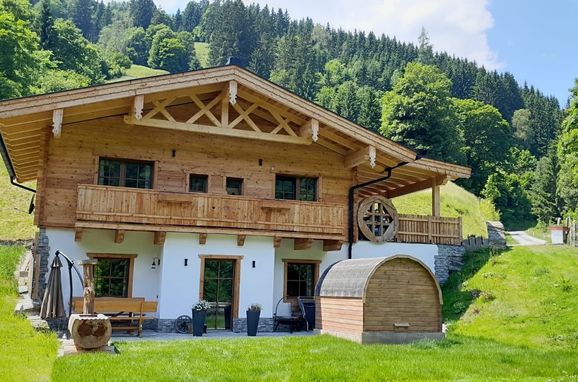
[[52, 303]]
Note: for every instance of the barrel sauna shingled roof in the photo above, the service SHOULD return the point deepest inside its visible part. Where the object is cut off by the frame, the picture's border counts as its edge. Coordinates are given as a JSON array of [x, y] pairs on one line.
[[347, 278]]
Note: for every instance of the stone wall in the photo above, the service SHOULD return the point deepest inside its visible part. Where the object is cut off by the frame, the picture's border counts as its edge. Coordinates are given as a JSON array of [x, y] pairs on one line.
[[265, 325], [448, 260], [41, 254], [496, 234]]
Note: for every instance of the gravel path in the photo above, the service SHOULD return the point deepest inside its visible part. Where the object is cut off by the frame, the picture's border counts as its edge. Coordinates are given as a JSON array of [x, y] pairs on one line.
[[524, 239]]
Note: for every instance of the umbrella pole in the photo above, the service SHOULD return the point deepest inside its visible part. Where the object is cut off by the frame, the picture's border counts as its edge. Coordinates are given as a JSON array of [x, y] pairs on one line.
[[70, 266]]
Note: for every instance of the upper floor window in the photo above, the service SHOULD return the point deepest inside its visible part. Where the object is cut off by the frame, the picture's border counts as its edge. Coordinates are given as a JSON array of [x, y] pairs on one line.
[[234, 186], [125, 173], [198, 183], [295, 188]]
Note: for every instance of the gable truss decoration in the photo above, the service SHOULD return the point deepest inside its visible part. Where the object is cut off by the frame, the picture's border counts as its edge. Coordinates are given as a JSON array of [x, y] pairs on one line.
[[227, 113]]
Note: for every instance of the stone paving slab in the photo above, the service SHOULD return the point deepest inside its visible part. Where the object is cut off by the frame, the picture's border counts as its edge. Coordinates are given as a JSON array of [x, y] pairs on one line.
[[150, 335]]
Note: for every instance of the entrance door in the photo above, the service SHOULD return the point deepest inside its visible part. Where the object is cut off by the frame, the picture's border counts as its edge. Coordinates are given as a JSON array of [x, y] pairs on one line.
[[219, 290]]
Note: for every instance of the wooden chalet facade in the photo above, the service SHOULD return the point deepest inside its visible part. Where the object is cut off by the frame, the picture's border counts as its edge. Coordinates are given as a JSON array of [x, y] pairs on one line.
[[214, 178]]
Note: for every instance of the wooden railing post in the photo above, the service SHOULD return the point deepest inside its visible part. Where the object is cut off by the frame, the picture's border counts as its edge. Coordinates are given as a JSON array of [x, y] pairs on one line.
[[429, 229], [460, 235]]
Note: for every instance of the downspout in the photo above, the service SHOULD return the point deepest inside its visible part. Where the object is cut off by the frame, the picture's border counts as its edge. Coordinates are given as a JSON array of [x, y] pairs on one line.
[[10, 166], [352, 190]]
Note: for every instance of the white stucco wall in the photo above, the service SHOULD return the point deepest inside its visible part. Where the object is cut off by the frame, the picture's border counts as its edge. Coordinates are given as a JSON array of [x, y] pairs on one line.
[[176, 287], [145, 280], [180, 284]]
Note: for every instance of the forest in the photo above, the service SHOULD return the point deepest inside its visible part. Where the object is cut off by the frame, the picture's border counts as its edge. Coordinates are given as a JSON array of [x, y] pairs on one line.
[[521, 144]]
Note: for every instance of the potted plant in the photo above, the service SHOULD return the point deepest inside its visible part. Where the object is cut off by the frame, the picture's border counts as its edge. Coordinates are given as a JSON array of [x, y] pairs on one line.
[[253, 313], [199, 316]]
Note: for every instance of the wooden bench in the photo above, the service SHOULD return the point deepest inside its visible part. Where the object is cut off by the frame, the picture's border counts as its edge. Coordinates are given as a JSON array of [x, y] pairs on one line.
[[128, 313]]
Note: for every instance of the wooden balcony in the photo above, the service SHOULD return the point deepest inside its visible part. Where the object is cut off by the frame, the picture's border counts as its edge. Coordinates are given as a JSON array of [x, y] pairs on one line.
[[137, 209], [129, 208]]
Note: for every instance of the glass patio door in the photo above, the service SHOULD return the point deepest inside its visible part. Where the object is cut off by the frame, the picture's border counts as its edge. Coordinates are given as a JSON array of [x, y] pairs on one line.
[[218, 291]]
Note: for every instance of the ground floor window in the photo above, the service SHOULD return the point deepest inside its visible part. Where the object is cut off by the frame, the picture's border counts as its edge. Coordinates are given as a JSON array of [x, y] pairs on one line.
[[113, 275], [300, 278]]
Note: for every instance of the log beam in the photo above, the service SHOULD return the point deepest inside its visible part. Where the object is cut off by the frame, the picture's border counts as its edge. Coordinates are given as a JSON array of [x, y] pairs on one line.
[[241, 240], [414, 187], [159, 238], [202, 238], [332, 245], [435, 198], [118, 236], [137, 107], [78, 234], [365, 155], [57, 116], [301, 244], [310, 130], [277, 241]]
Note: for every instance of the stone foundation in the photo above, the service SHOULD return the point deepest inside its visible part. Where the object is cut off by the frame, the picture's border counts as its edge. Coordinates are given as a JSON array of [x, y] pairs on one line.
[[496, 234], [448, 260], [265, 325], [41, 254]]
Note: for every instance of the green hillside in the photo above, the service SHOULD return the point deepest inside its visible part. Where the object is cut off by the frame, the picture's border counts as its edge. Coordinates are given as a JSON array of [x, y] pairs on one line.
[[455, 201], [15, 222], [202, 52]]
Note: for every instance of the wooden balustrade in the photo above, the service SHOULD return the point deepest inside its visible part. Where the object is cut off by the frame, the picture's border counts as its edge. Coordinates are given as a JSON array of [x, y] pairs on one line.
[[105, 206], [234, 214], [429, 229]]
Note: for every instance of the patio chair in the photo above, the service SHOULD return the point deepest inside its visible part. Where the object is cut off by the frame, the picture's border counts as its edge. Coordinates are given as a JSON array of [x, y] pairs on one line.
[[307, 307], [294, 321]]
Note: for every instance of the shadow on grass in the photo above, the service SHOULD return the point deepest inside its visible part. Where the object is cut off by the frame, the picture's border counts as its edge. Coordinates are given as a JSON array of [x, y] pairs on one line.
[[456, 298]]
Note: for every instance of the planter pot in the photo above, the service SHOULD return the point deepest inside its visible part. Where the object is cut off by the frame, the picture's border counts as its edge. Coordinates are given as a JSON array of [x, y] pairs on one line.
[[252, 322], [199, 323], [89, 331]]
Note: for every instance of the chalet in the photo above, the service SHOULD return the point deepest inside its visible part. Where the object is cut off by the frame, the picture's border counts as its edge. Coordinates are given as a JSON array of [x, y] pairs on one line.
[[214, 184]]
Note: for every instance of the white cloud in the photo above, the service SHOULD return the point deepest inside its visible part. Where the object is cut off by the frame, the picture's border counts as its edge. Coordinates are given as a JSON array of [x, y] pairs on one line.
[[458, 27]]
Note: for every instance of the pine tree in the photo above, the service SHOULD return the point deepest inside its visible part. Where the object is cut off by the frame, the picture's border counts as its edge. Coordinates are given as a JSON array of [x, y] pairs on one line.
[[45, 22], [425, 48], [82, 15], [546, 202], [142, 12]]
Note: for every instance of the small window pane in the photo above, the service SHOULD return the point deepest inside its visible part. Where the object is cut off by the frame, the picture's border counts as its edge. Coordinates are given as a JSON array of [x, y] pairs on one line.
[[234, 186], [198, 183], [109, 172], [285, 188], [308, 189], [300, 279], [125, 173], [111, 277]]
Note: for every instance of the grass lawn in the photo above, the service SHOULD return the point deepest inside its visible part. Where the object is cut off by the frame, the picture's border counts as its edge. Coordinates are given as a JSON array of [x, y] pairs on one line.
[[15, 222], [512, 317], [25, 355], [455, 201]]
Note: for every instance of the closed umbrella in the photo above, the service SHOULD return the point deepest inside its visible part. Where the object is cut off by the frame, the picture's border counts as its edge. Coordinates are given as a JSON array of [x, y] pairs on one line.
[[52, 303]]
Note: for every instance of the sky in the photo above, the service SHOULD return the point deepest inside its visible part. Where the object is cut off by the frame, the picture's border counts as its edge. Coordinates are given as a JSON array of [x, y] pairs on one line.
[[533, 39]]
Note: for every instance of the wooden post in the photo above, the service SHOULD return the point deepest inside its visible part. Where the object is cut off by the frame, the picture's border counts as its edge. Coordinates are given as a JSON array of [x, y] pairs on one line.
[[435, 198], [88, 276]]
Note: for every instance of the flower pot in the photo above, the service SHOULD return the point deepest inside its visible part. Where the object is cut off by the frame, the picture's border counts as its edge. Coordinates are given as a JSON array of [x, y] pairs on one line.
[[89, 331], [199, 322], [252, 322]]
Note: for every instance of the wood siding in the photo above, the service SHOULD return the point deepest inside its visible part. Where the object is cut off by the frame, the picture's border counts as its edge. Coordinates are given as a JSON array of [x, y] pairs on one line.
[[73, 161], [402, 292], [339, 314]]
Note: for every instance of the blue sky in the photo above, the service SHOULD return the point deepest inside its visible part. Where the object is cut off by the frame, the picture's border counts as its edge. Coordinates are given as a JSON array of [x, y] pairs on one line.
[[533, 39]]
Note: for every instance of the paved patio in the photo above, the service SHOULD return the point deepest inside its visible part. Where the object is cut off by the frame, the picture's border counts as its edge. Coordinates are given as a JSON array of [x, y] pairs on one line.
[[151, 335]]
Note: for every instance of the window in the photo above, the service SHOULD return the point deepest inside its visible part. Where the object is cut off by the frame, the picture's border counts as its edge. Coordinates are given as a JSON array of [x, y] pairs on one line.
[[295, 188], [234, 186], [125, 173], [113, 275], [300, 278], [198, 183]]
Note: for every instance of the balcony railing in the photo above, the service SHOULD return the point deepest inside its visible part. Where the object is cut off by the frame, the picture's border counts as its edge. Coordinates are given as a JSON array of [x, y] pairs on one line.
[[286, 218], [156, 210]]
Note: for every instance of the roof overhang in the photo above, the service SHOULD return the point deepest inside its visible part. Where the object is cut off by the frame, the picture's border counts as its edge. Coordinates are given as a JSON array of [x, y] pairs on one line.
[[26, 123]]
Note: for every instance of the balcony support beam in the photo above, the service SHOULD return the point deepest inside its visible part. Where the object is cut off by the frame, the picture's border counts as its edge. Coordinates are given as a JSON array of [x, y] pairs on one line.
[[202, 238], [159, 238], [241, 240], [332, 245], [118, 236], [301, 244]]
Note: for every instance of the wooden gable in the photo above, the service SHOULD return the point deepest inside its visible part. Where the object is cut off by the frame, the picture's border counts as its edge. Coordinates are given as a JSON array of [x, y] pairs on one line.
[[225, 101]]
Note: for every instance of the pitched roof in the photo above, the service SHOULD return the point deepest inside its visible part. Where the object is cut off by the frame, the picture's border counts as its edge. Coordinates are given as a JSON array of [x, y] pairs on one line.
[[25, 123]]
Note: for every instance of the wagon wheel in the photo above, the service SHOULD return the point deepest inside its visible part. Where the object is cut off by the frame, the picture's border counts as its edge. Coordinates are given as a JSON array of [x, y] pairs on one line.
[[377, 219], [183, 323]]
